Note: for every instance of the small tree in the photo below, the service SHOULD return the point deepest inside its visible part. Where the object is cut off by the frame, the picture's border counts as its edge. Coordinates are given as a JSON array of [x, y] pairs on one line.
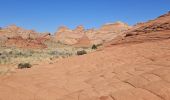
[[94, 46]]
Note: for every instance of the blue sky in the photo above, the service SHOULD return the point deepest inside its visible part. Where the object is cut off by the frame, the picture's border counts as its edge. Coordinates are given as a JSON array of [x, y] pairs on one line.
[[48, 15]]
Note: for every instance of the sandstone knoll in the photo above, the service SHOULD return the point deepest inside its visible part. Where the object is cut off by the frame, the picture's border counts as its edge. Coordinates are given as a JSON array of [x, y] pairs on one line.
[[138, 69], [13, 30], [14, 36], [114, 27], [122, 72], [79, 37], [84, 41], [96, 36], [156, 29], [68, 36]]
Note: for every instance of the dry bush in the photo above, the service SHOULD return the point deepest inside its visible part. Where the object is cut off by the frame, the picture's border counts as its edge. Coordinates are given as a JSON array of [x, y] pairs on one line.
[[82, 52], [24, 65]]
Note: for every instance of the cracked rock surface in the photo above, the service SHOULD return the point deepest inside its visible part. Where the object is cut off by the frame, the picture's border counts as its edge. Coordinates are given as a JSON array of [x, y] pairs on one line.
[[136, 71]]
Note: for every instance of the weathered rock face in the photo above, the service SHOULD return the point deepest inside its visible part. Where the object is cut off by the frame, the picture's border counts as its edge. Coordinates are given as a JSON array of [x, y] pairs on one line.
[[68, 36], [159, 24], [18, 37], [83, 41], [79, 29], [19, 42], [95, 36], [114, 27], [152, 30], [14, 30], [63, 29], [107, 32]]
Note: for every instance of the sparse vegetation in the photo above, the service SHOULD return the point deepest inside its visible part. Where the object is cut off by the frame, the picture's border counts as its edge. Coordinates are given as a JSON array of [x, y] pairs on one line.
[[82, 52], [18, 57], [12, 55], [4, 58], [24, 65], [94, 46]]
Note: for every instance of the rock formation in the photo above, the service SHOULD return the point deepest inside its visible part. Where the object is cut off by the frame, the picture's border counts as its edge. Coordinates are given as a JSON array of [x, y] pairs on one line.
[[84, 41], [156, 29], [67, 36], [14, 30], [79, 29], [96, 36], [136, 66], [20, 42], [116, 27], [14, 36]]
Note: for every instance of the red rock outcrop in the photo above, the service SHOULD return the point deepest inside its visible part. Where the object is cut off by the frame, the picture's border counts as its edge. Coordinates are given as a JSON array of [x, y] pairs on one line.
[[79, 29], [83, 42], [14, 30], [67, 36], [116, 27], [20, 42], [152, 30], [96, 36], [14, 36]]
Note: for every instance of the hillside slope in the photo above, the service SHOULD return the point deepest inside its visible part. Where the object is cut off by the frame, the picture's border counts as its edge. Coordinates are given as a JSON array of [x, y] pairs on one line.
[[156, 29], [122, 72]]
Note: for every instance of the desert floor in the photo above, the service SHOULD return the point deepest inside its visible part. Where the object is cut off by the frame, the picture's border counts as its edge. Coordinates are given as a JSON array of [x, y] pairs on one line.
[[134, 71]]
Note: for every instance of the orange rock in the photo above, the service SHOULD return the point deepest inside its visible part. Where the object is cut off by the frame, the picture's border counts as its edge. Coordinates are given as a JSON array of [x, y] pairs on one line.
[[156, 29], [95, 36], [22, 38]]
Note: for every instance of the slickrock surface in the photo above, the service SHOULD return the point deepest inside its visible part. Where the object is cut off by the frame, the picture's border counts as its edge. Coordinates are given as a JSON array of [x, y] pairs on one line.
[[136, 71], [156, 29]]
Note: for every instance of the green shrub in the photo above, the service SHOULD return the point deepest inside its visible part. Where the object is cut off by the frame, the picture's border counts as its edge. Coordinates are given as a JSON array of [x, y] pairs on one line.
[[94, 46], [24, 65], [82, 52]]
